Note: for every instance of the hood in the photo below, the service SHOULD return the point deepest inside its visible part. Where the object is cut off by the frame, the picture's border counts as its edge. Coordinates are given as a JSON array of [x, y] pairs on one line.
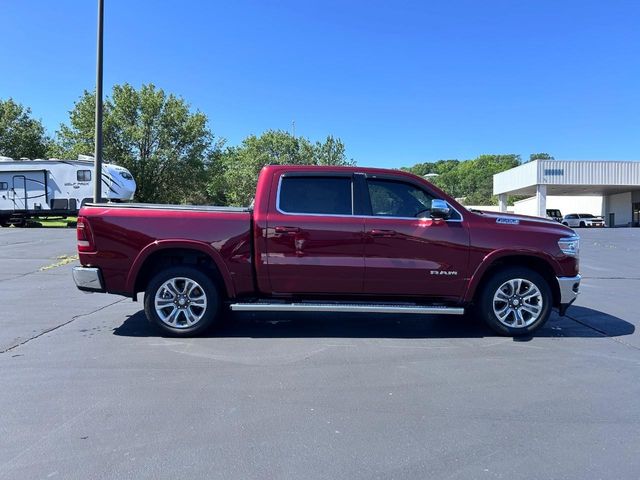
[[512, 218]]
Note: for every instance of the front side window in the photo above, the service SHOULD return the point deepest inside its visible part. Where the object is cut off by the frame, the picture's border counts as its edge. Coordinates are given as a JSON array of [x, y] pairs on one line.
[[84, 175], [316, 195], [398, 199]]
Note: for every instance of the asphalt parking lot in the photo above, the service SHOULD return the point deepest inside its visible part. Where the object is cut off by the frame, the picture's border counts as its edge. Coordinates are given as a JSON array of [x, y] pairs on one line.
[[89, 391]]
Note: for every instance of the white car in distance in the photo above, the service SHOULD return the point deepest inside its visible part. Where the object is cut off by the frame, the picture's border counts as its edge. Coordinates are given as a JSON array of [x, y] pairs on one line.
[[574, 220]]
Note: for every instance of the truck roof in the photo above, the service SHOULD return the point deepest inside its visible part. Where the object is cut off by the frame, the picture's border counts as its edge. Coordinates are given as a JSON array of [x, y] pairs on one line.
[[338, 168]]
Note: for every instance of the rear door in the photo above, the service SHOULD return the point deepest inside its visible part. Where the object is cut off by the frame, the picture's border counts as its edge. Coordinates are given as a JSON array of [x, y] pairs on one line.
[[314, 243], [408, 253]]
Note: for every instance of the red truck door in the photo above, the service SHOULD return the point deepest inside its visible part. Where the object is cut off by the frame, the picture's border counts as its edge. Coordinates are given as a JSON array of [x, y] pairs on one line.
[[406, 252], [314, 243]]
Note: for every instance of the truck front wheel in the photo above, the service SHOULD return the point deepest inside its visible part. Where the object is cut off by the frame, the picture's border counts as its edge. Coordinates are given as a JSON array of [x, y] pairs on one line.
[[182, 301], [515, 301]]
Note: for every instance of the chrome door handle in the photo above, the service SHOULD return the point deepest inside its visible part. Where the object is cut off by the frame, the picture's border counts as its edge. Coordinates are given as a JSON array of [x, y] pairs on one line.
[[287, 230], [382, 233]]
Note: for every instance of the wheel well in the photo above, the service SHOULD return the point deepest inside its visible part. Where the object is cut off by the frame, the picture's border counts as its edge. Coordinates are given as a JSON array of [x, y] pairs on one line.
[[534, 263], [170, 257]]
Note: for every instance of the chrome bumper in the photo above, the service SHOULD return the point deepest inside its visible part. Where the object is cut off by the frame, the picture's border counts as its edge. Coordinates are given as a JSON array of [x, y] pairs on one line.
[[569, 289], [88, 279]]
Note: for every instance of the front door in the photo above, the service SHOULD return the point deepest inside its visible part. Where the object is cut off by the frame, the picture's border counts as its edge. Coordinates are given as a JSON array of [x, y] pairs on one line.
[[407, 252], [314, 243], [19, 192]]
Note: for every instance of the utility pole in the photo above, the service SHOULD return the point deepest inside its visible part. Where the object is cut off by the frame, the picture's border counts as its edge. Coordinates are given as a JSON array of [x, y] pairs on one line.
[[97, 173], [293, 127]]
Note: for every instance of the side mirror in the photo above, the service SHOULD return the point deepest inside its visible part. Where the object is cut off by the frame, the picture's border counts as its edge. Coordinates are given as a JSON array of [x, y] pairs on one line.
[[440, 209]]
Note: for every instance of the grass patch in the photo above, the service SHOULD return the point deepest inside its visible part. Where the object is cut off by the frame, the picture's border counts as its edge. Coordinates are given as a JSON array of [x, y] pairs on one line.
[[62, 260], [57, 222]]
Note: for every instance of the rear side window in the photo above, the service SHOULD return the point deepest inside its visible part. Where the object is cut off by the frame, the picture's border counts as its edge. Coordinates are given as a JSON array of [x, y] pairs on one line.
[[84, 175], [319, 195], [4, 186]]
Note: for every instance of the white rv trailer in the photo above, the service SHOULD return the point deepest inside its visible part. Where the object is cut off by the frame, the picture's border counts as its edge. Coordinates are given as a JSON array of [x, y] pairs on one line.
[[47, 188]]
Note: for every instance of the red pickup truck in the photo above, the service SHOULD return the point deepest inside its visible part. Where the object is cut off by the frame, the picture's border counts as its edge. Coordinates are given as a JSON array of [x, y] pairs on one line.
[[330, 239]]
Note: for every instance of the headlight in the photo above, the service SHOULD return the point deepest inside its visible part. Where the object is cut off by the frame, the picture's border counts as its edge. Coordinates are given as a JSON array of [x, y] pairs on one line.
[[570, 246]]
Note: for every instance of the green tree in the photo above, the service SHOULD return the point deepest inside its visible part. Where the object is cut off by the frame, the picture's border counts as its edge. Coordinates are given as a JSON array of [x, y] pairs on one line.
[[167, 147], [233, 179], [20, 134], [469, 179], [540, 156], [331, 152]]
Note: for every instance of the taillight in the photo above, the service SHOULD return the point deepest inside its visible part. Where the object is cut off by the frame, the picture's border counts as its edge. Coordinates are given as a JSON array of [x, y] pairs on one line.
[[84, 236]]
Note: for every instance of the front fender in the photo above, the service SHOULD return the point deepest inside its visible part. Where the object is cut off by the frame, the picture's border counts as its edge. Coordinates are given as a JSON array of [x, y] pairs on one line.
[[496, 255]]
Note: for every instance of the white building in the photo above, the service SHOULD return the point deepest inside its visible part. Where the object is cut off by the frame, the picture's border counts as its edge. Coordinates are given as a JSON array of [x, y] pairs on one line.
[[570, 204], [616, 183]]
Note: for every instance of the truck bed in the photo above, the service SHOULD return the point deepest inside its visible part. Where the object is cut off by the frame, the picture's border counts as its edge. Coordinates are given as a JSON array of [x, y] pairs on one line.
[[128, 234], [161, 206]]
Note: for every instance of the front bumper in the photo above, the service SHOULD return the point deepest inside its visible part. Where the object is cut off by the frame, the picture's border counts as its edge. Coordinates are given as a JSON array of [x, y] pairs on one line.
[[88, 279], [569, 290]]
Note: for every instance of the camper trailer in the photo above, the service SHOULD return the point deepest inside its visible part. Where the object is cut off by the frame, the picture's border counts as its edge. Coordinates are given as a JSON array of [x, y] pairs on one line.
[[51, 188]]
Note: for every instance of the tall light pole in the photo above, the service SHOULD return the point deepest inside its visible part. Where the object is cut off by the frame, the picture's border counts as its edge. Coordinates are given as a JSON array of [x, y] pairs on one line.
[[97, 173]]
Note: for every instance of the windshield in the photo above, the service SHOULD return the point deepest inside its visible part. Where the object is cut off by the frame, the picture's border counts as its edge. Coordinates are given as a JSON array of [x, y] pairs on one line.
[[586, 215]]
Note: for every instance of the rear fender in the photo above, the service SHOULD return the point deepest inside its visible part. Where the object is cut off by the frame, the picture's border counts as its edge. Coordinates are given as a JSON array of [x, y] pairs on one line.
[[182, 244]]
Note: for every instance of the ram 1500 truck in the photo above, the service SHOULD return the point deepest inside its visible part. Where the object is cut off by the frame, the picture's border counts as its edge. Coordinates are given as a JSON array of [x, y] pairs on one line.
[[330, 239]]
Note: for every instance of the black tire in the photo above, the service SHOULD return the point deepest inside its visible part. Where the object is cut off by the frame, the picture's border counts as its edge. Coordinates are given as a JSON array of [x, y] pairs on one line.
[[485, 302], [565, 224], [582, 225], [4, 221], [207, 317]]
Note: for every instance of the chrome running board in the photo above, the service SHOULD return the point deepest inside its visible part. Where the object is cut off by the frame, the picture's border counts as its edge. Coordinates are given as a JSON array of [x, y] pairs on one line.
[[346, 308]]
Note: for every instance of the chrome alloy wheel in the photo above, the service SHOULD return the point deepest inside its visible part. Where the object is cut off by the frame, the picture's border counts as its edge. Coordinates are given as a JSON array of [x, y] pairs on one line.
[[180, 302], [517, 303]]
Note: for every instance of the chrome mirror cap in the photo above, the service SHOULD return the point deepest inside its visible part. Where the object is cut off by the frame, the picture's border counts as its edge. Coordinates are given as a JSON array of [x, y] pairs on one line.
[[440, 209]]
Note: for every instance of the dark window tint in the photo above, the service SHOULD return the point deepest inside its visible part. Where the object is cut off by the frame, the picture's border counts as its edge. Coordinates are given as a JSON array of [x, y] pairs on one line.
[[84, 175], [572, 216], [4, 186], [398, 199], [322, 195]]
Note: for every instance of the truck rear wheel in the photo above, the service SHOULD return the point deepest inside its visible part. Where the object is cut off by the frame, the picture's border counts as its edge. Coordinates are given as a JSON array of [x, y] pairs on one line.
[[515, 301], [183, 301]]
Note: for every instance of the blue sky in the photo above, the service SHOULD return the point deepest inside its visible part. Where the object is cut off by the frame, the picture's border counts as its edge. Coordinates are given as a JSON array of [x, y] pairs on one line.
[[400, 82]]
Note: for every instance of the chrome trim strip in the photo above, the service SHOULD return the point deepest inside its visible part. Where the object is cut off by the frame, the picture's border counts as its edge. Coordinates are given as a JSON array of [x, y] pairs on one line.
[[344, 308], [453, 220], [88, 278], [567, 295]]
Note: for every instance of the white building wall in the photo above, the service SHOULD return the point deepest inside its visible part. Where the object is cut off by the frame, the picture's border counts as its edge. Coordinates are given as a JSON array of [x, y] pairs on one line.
[[488, 208], [521, 176], [562, 172], [620, 205], [578, 204]]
